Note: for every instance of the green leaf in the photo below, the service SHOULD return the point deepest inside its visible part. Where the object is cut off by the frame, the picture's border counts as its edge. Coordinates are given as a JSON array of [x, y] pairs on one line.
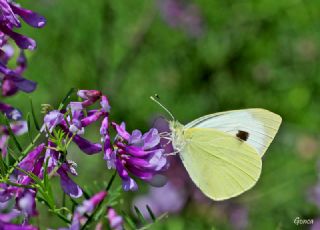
[[128, 220], [151, 213], [111, 180], [12, 154], [66, 98], [11, 133], [34, 116], [140, 216], [18, 185], [31, 175], [114, 195], [3, 166], [47, 184], [29, 127]]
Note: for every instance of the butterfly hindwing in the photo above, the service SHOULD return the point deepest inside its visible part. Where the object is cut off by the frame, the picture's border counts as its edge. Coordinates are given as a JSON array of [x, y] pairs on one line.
[[221, 165]]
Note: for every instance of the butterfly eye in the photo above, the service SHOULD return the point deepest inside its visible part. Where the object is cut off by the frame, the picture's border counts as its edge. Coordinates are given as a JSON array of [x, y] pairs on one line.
[[243, 135]]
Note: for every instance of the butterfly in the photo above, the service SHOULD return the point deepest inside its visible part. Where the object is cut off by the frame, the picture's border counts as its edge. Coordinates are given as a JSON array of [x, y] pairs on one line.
[[222, 152]]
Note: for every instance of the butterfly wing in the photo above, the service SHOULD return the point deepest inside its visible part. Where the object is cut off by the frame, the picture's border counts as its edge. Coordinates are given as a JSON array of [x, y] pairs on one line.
[[220, 165], [260, 124]]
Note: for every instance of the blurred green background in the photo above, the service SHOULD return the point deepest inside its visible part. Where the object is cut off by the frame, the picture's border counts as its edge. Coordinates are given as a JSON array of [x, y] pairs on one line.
[[242, 54]]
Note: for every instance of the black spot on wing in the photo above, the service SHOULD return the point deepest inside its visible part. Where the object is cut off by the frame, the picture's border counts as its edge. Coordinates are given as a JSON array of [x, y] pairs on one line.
[[243, 135]]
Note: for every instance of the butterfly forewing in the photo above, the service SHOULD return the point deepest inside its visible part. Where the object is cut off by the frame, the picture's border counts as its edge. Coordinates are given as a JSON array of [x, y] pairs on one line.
[[260, 124], [220, 165]]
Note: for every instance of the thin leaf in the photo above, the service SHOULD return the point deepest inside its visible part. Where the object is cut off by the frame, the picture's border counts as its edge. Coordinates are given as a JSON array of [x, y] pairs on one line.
[[18, 185], [140, 216], [45, 173], [12, 154], [66, 98], [128, 220], [111, 180], [11, 133], [162, 216], [41, 200], [151, 213], [148, 226], [47, 184], [113, 196], [3, 167], [34, 116], [31, 175], [29, 127]]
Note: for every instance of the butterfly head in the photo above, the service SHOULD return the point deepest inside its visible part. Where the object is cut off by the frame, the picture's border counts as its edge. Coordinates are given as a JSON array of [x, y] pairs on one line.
[[177, 129], [177, 135]]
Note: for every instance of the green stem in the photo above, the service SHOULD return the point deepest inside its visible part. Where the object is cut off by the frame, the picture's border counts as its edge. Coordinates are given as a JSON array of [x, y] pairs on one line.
[[19, 185], [51, 209]]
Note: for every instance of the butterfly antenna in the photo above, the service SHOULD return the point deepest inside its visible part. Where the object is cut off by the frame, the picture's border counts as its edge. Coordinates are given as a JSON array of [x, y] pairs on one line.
[[156, 101]]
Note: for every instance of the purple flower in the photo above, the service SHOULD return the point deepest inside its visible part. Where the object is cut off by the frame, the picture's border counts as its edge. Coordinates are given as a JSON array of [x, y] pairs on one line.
[[11, 80], [27, 204], [18, 128], [179, 14], [10, 112], [9, 226], [30, 17], [6, 192], [238, 216], [109, 155], [51, 120], [314, 194], [137, 154], [9, 213], [56, 118], [316, 224], [28, 163], [7, 217], [85, 145], [89, 205], [67, 184], [173, 201], [86, 207], [76, 118], [105, 104], [115, 221], [89, 96], [9, 20]]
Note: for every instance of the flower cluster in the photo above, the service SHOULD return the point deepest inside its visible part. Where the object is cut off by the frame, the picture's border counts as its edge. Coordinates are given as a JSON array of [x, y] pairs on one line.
[[12, 80], [9, 20], [8, 213], [137, 154], [26, 180], [71, 122], [132, 155], [141, 155], [17, 126], [86, 207], [31, 163]]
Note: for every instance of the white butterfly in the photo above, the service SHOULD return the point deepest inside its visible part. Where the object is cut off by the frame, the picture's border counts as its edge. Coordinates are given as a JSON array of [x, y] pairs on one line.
[[222, 151]]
